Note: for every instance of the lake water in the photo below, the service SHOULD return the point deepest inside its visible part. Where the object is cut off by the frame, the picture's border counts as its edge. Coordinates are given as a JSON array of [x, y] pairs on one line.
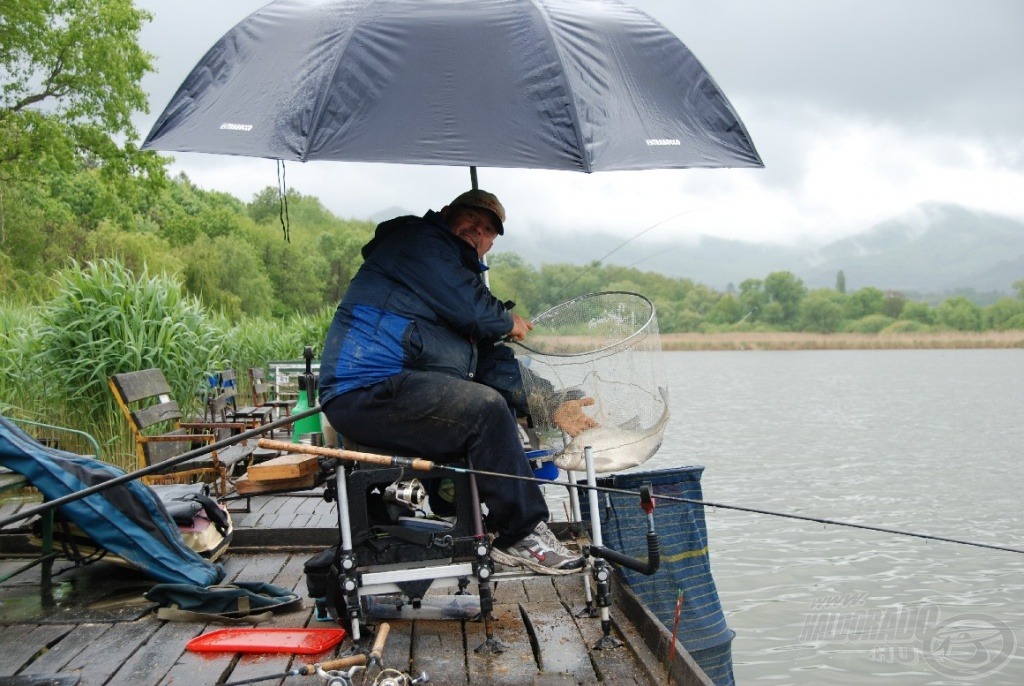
[[929, 441]]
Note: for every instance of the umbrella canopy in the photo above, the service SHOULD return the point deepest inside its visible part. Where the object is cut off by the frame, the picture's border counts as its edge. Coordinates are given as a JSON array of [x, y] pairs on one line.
[[583, 85]]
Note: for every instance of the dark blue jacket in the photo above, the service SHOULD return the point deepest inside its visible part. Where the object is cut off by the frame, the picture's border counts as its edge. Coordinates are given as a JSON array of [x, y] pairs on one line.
[[417, 302]]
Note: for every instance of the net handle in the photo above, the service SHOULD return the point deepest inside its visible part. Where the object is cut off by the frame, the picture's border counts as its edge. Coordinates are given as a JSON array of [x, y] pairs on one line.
[[616, 344]]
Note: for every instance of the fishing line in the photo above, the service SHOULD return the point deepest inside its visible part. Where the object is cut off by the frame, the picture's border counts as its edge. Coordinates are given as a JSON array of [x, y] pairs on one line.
[[620, 246], [739, 508]]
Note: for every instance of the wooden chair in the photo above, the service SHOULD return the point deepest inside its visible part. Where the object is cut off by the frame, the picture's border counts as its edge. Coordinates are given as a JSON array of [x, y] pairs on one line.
[[155, 420], [262, 392], [253, 415]]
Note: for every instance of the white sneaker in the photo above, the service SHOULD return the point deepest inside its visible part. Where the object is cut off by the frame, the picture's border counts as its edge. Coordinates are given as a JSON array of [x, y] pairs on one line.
[[540, 551]]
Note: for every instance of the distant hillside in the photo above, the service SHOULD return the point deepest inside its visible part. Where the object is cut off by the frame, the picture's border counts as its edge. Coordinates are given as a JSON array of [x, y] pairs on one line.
[[936, 249]]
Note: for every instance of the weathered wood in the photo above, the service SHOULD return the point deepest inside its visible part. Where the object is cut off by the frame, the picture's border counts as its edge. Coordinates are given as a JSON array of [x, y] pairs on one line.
[[146, 417], [153, 660], [500, 669], [147, 651], [106, 655], [73, 640], [289, 466], [17, 648], [615, 665], [438, 649], [560, 644], [136, 386]]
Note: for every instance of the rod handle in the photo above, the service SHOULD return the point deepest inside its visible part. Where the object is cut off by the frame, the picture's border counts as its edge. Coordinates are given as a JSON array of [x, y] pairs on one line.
[[378, 643], [417, 463], [340, 663]]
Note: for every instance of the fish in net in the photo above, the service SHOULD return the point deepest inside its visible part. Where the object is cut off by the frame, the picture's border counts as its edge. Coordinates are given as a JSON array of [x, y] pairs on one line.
[[593, 375]]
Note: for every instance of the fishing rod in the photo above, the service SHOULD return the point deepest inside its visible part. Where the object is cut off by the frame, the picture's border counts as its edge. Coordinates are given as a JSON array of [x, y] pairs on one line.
[[421, 464], [155, 468], [359, 660], [622, 245]]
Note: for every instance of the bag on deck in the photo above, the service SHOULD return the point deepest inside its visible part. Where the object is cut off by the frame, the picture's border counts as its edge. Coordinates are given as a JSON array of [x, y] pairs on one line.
[[128, 520]]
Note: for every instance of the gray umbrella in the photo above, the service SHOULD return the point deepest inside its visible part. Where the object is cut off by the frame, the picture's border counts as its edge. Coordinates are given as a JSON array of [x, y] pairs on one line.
[[583, 85]]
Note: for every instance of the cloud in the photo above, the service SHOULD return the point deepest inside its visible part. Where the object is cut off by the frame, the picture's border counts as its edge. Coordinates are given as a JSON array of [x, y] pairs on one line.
[[861, 109]]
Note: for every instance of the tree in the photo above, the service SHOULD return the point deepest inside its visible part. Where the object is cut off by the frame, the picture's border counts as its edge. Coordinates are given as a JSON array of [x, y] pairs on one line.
[[918, 312], [959, 313], [821, 311], [894, 304], [841, 281], [786, 290], [861, 303], [752, 299], [726, 311], [1004, 314], [71, 71]]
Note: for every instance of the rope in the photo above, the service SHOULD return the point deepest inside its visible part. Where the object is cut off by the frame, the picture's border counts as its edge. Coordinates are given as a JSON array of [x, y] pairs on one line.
[[282, 194]]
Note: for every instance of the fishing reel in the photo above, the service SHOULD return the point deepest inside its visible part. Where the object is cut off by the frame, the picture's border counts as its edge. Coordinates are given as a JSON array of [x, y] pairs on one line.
[[409, 494], [393, 677]]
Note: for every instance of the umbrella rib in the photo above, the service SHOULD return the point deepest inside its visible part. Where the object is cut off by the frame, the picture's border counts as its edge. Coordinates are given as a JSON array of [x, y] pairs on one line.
[[574, 114]]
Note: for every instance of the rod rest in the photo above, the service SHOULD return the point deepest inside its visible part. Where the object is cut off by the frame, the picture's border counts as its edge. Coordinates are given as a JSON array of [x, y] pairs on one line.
[[646, 567]]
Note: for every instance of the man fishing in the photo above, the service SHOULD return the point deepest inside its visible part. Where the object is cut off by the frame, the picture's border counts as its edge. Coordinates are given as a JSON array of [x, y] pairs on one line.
[[410, 365]]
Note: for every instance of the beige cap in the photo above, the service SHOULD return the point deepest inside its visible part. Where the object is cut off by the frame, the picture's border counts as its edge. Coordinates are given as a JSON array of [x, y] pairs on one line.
[[486, 201]]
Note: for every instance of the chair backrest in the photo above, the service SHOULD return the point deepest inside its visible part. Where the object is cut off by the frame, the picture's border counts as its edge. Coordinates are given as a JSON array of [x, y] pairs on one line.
[[229, 388], [145, 399], [260, 389]]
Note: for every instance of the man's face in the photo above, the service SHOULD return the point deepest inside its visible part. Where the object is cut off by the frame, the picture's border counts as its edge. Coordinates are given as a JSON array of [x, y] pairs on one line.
[[473, 225]]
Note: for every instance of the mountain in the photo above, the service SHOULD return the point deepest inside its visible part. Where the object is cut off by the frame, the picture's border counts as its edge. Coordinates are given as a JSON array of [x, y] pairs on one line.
[[935, 249]]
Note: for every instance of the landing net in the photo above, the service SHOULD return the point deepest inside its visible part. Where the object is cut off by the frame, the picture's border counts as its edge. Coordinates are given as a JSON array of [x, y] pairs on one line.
[[605, 347]]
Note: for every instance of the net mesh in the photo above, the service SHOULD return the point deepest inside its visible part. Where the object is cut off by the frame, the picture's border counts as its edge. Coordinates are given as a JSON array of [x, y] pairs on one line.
[[602, 348]]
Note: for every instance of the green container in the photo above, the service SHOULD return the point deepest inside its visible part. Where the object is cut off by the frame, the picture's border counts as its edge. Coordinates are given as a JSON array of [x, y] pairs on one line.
[[311, 424]]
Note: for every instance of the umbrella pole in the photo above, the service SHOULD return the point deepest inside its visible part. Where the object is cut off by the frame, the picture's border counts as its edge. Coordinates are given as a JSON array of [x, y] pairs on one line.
[[472, 178]]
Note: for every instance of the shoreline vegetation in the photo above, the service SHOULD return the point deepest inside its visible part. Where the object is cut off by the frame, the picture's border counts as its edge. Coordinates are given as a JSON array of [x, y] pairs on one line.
[[780, 340]]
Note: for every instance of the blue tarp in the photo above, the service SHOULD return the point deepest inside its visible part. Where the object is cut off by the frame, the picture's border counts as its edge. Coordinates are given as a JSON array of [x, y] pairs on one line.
[[128, 520]]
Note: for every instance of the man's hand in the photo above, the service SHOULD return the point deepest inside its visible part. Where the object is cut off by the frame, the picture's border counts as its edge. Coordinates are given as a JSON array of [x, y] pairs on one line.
[[520, 327], [570, 418]]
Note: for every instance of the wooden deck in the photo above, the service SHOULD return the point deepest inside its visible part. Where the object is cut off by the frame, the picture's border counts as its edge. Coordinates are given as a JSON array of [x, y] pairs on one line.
[[94, 625]]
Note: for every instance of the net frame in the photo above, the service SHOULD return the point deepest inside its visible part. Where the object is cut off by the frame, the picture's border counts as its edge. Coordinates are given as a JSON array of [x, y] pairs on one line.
[[621, 372]]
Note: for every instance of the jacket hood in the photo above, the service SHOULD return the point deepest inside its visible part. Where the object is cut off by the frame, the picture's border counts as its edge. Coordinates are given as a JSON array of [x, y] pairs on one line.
[[434, 220]]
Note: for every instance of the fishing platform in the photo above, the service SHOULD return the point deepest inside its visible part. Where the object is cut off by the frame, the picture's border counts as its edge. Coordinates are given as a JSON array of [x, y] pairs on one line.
[[93, 626]]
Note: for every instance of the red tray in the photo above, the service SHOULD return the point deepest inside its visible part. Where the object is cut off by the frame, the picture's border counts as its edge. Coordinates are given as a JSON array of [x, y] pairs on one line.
[[255, 640]]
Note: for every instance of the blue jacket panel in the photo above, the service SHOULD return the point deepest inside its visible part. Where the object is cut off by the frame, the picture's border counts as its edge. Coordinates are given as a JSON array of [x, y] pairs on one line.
[[417, 302]]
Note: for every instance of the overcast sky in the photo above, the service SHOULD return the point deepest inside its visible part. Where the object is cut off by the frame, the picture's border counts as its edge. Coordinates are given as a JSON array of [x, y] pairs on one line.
[[862, 110]]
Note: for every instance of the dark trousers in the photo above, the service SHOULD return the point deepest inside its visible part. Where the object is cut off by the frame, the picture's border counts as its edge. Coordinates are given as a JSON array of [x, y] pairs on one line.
[[444, 419]]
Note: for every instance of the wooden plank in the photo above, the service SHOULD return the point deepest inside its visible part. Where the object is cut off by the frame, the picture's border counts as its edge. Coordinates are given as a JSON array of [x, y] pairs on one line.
[[438, 649], [104, 656], [288, 575], [152, 661], [15, 647], [135, 386], [397, 652], [613, 666], [560, 644], [510, 668], [245, 485], [70, 646], [288, 466]]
